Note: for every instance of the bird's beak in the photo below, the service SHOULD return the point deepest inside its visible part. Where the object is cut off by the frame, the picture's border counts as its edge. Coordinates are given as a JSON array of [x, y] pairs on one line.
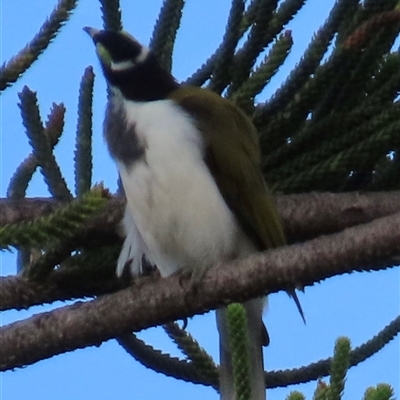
[[92, 32]]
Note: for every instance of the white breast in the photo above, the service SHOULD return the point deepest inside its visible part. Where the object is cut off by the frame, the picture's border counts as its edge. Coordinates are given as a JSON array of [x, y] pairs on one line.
[[175, 206]]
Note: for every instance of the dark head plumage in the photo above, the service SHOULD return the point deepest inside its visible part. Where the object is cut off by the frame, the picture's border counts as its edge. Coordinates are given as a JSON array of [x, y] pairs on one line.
[[131, 67]]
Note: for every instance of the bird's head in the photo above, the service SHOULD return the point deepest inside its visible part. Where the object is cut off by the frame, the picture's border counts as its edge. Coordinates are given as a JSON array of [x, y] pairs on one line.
[[131, 67]]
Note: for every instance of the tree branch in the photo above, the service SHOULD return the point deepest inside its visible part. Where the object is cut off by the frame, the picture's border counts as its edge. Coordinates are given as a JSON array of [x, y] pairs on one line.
[[186, 371], [17, 292], [152, 301], [311, 214], [304, 215], [21, 210]]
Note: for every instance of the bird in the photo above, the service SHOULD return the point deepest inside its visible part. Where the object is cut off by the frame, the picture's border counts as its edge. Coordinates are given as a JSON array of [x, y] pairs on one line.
[[189, 162]]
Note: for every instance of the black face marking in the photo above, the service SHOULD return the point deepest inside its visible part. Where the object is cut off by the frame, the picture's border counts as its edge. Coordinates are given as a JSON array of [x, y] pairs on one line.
[[120, 46], [122, 141], [145, 80]]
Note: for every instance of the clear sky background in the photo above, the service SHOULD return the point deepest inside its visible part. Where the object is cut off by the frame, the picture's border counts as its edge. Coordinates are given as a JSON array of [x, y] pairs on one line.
[[356, 305]]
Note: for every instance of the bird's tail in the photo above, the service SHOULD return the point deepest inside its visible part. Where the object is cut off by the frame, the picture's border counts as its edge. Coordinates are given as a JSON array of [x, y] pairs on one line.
[[254, 310]]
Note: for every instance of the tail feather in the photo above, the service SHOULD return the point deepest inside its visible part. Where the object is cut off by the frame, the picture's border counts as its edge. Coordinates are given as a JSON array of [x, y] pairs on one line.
[[254, 310], [293, 294]]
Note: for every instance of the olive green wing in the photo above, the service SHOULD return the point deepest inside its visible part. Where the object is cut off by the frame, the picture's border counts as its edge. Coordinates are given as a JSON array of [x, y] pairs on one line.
[[233, 157]]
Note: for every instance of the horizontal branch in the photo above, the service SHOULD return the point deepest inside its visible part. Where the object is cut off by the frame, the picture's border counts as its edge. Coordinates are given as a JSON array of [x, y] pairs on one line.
[[17, 292], [21, 210], [152, 301], [304, 215], [311, 214]]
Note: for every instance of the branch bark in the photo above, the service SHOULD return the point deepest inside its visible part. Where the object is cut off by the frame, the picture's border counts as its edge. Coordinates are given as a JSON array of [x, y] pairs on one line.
[[311, 214], [304, 215], [151, 301], [18, 293], [23, 210]]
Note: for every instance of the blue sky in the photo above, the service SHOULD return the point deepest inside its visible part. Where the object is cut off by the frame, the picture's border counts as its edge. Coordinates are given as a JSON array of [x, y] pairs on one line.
[[357, 306]]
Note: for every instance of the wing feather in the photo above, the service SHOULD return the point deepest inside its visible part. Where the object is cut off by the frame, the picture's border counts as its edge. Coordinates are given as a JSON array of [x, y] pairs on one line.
[[233, 157]]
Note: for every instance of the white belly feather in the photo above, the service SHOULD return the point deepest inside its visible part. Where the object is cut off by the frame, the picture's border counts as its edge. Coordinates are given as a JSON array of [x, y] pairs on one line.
[[175, 212]]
